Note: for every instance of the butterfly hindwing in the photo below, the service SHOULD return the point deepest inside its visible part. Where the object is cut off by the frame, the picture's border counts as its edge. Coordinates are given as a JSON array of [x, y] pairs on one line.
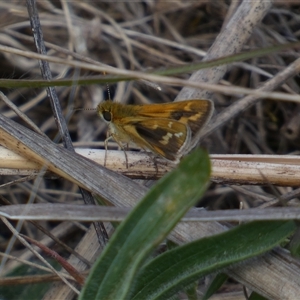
[[164, 137]]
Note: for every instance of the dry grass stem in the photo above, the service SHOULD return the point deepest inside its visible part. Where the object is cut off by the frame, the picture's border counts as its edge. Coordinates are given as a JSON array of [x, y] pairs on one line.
[[231, 169]]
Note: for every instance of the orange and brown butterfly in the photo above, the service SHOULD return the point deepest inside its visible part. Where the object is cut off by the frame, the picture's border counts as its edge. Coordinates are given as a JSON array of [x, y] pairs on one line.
[[165, 129]]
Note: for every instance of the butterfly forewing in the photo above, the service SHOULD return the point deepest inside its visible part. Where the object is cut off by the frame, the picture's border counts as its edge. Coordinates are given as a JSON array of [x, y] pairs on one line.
[[194, 113]]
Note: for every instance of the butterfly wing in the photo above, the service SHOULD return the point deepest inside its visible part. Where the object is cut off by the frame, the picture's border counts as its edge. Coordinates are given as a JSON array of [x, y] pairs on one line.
[[194, 113], [166, 138]]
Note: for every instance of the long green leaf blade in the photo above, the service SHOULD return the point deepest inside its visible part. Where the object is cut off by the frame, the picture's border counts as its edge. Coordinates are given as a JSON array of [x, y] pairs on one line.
[[172, 271], [146, 226]]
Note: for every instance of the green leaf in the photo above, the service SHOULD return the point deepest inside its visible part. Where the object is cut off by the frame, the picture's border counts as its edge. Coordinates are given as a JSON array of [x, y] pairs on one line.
[[294, 245], [255, 296], [175, 269], [191, 291], [145, 227], [215, 285], [25, 291]]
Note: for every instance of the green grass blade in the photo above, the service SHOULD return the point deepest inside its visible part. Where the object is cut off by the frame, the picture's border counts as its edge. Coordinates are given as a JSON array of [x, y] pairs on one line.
[[172, 271], [215, 285], [32, 291], [255, 296], [18, 83], [146, 226]]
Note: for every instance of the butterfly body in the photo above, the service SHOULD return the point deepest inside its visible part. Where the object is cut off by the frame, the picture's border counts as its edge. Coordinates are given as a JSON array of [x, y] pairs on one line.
[[165, 129]]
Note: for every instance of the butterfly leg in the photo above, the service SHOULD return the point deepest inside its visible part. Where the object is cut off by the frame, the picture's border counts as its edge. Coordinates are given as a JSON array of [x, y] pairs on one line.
[[122, 147], [155, 164], [108, 137], [154, 157]]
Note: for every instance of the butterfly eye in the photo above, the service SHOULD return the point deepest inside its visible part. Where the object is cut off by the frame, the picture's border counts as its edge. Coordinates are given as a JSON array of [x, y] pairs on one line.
[[106, 116]]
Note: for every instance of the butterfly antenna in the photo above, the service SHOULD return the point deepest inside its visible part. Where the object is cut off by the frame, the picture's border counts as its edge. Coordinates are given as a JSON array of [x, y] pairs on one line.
[[108, 91], [107, 87], [79, 108]]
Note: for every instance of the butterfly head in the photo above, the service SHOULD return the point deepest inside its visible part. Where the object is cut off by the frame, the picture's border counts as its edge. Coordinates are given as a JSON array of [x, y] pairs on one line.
[[104, 110]]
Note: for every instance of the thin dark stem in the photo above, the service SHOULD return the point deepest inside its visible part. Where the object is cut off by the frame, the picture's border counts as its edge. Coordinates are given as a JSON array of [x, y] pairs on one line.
[[56, 107]]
